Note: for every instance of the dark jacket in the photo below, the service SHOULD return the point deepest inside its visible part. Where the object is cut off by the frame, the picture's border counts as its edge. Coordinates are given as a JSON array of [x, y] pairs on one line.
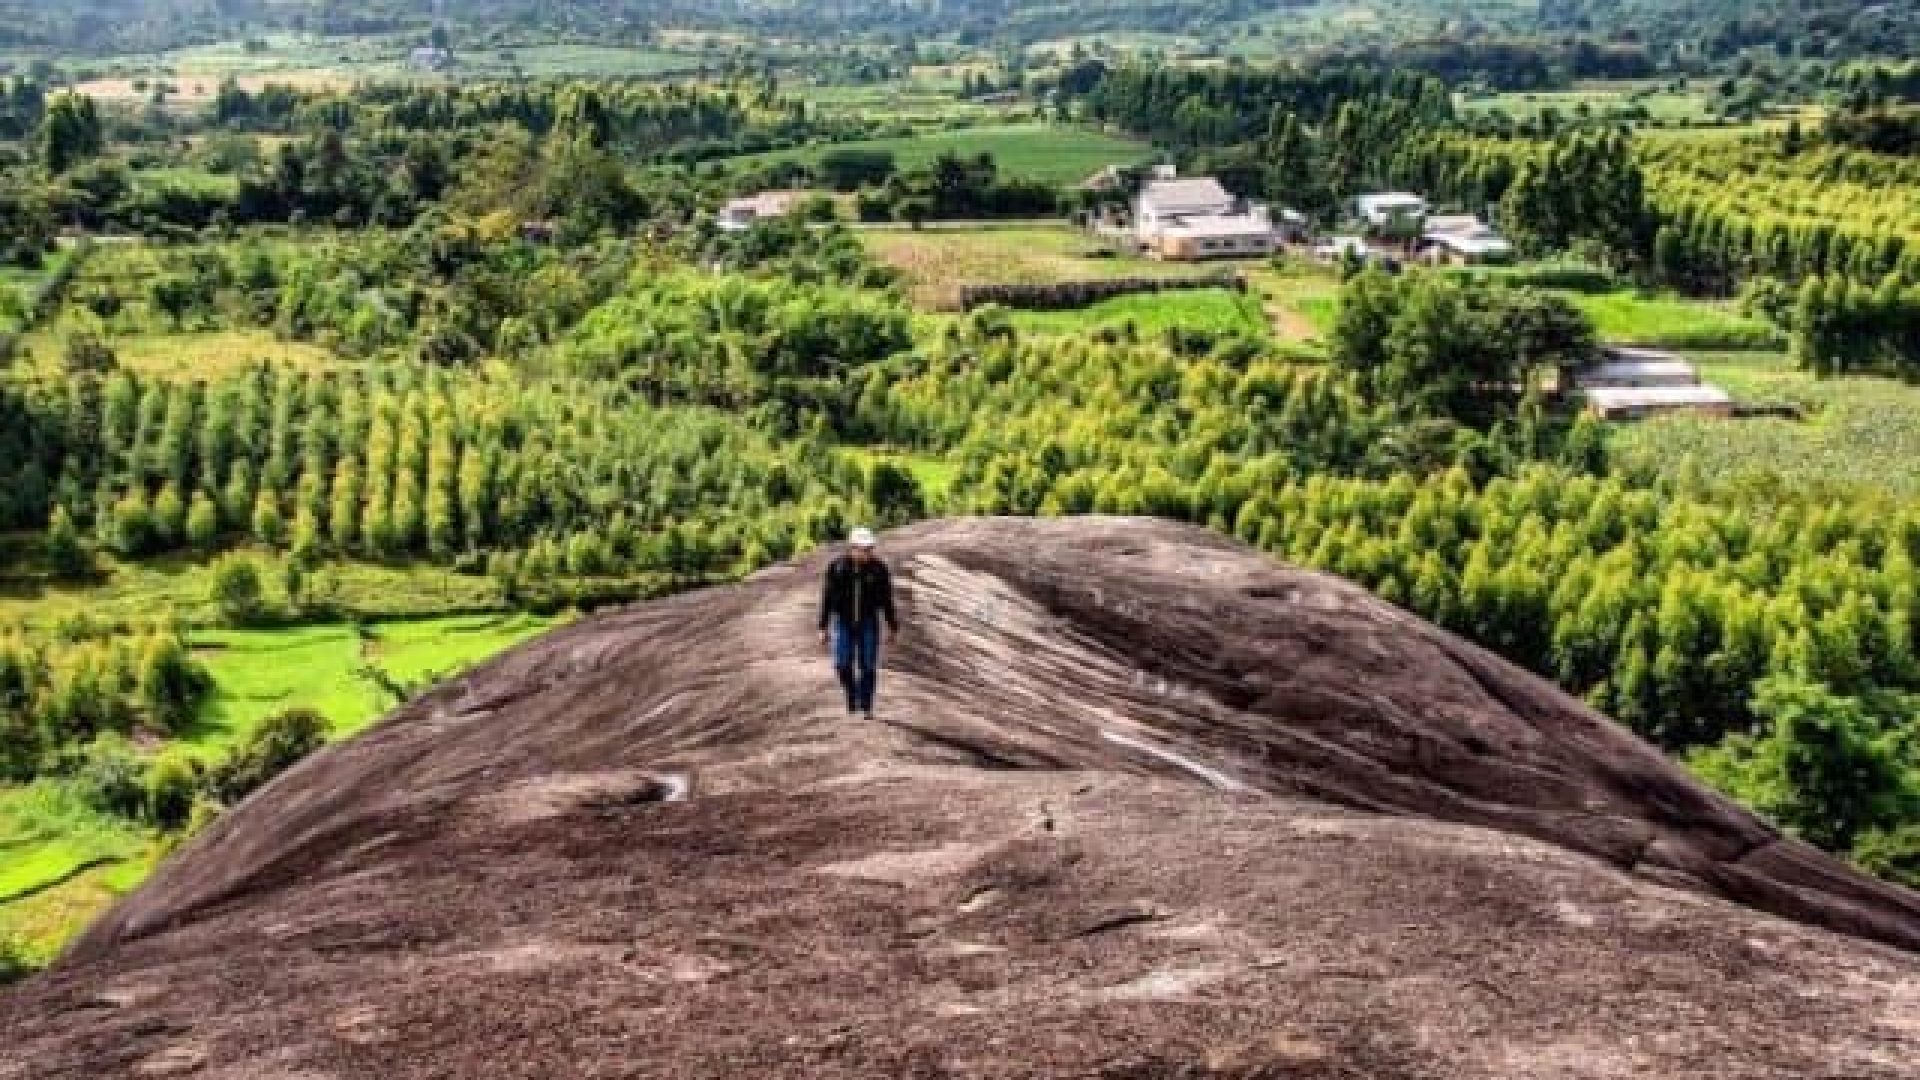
[[857, 594]]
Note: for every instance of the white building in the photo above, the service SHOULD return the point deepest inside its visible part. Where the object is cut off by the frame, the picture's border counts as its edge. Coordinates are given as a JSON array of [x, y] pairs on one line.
[[1340, 247], [1627, 366], [1630, 383], [1639, 402], [739, 215], [430, 58], [1392, 210], [1463, 240], [1196, 218]]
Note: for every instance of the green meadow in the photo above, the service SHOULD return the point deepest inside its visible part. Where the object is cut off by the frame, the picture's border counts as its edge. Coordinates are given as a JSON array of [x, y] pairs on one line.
[[1214, 311], [62, 862], [1631, 317]]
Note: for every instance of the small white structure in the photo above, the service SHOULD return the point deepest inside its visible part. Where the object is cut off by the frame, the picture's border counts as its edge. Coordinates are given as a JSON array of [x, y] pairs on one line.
[[1630, 383], [1629, 367], [1341, 247], [1639, 402], [430, 58], [1196, 218], [739, 215], [1463, 240], [1392, 210]]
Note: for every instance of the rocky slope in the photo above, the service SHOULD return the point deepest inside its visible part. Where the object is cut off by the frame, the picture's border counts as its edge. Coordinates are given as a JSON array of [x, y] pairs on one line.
[[1141, 804]]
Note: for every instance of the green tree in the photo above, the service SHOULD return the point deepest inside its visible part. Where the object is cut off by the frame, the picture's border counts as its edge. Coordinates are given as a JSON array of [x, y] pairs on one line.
[[70, 132], [276, 745], [236, 589], [66, 553]]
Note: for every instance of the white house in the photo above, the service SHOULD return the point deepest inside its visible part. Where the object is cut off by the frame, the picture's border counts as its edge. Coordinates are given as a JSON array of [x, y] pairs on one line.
[[1392, 209], [739, 215], [1196, 218], [1464, 240]]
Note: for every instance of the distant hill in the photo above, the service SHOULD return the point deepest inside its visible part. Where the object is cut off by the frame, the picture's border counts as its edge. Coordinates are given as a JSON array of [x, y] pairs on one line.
[[1712, 28], [1141, 803], [1721, 28]]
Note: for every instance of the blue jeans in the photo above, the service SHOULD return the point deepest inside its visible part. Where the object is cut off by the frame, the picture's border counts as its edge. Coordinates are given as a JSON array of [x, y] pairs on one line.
[[856, 657]]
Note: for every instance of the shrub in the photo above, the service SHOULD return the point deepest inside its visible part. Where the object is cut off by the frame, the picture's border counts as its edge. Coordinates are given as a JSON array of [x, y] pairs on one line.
[[14, 965], [172, 783], [237, 590], [279, 743], [110, 778]]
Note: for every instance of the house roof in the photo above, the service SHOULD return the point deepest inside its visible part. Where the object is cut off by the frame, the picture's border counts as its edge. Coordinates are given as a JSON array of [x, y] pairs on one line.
[[1484, 243], [1640, 397], [1192, 191], [1636, 354], [1641, 372], [1388, 200]]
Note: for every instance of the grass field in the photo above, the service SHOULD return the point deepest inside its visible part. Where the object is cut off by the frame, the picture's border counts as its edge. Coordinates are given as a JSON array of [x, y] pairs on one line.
[[134, 594], [261, 672], [918, 101], [1301, 301], [1044, 152], [192, 355], [571, 61], [62, 863], [1215, 311], [937, 262], [1854, 430], [1626, 316], [1662, 105]]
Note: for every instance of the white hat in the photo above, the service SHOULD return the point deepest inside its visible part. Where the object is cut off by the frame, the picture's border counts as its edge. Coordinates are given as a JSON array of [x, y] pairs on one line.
[[862, 537]]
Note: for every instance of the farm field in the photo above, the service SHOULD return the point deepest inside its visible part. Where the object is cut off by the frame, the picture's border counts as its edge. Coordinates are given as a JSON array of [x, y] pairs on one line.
[[194, 355], [1631, 317], [1853, 429], [1219, 312], [571, 61], [1035, 151], [918, 101], [62, 862], [129, 594], [937, 262], [1663, 104], [261, 672], [1301, 300]]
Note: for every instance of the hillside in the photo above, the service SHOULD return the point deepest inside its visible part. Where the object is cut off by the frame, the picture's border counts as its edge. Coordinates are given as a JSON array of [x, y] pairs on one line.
[[1714, 28], [1144, 804]]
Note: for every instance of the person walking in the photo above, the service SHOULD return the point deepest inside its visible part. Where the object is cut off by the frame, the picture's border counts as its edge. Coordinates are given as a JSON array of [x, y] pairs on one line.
[[857, 593]]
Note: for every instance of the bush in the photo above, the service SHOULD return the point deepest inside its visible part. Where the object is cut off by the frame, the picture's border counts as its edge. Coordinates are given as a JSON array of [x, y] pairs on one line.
[[1893, 854], [14, 965], [237, 590], [278, 744], [110, 778], [173, 781]]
